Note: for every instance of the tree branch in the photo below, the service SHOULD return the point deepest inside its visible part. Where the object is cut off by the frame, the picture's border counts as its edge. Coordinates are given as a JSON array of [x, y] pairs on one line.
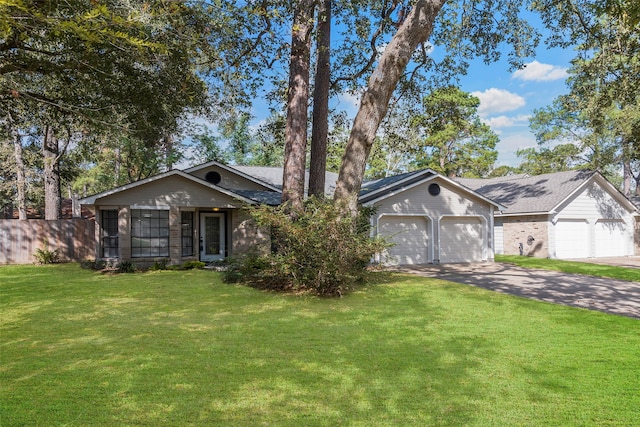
[[386, 14]]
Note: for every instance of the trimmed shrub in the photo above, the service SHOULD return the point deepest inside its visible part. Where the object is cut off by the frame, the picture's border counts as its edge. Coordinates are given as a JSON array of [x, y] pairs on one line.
[[321, 251]]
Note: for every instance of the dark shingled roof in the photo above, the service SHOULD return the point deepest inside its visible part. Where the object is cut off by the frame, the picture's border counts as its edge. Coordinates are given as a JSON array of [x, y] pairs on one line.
[[271, 198], [273, 176], [528, 194], [390, 181]]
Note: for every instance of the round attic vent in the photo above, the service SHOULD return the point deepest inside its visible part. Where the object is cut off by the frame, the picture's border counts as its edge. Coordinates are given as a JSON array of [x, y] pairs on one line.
[[213, 177], [434, 189]]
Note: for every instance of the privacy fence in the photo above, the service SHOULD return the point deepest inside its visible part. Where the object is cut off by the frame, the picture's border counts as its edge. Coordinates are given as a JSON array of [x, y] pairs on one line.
[[73, 238], [637, 234]]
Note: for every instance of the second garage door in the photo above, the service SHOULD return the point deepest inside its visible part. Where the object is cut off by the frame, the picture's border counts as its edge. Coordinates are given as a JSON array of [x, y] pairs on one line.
[[610, 238], [461, 240], [410, 237]]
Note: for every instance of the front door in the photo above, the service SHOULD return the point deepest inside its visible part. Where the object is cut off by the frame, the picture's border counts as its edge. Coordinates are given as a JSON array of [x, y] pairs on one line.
[[211, 237]]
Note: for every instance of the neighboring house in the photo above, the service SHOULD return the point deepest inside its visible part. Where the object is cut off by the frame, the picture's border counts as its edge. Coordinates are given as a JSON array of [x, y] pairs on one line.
[[574, 214], [197, 214]]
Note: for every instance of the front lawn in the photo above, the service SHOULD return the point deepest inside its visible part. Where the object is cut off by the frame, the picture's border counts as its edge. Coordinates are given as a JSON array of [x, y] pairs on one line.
[[177, 348], [574, 267]]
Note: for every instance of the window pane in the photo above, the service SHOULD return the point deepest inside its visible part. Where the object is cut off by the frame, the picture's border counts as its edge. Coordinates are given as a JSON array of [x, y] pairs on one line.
[[109, 233], [149, 233]]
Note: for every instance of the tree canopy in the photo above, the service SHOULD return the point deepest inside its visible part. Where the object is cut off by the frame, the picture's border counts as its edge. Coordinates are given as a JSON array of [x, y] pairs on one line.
[[118, 80], [601, 112], [456, 142]]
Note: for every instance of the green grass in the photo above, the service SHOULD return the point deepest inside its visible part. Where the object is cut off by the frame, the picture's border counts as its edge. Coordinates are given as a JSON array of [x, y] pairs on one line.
[[599, 270], [171, 348]]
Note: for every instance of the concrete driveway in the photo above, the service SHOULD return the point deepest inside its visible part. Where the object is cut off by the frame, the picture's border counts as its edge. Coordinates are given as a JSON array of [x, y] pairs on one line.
[[620, 261], [608, 295]]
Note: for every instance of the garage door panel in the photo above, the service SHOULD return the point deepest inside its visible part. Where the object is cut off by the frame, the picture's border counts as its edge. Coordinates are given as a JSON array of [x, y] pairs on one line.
[[461, 240], [410, 237], [610, 238], [572, 239]]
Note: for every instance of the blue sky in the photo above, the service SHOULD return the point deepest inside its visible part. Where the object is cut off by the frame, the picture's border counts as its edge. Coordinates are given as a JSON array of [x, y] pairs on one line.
[[507, 98]]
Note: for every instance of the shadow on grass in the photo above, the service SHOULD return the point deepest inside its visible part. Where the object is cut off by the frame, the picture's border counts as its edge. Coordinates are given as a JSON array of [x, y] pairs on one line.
[[175, 348]]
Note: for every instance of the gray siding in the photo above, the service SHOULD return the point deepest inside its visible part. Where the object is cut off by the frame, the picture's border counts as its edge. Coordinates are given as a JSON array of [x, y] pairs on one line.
[[229, 180], [171, 191]]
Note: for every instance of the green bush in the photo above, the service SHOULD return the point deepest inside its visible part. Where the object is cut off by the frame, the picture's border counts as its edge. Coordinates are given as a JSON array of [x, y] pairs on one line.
[[320, 251], [127, 267], [45, 255], [192, 265]]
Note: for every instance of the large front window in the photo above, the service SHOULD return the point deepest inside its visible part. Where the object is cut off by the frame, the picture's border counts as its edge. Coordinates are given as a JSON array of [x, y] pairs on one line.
[[149, 233], [109, 233]]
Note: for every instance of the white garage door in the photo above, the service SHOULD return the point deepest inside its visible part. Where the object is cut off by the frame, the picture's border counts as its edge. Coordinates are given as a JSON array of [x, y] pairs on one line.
[[410, 237], [572, 239], [610, 239], [461, 240]]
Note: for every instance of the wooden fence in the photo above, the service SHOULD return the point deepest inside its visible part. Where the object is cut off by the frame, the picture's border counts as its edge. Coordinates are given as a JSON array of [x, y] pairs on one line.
[[73, 238], [637, 236]]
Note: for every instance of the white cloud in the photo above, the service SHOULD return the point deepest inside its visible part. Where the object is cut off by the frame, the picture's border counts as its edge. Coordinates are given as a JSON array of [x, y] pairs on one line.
[[539, 72], [349, 102], [498, 101], [506, 121], [380, 49], [510, 143], [351, 99]]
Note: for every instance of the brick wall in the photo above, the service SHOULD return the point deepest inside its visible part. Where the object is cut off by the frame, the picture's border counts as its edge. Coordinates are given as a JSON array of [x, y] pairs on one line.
[[518, 230]]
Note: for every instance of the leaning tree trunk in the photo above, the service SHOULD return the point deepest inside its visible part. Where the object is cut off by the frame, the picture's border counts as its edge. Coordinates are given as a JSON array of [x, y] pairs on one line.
[[320, 127], [416, 29], [51, 157], [296, 126]]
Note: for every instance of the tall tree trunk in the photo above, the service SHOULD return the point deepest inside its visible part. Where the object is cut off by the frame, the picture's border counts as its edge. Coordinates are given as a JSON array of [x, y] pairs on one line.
[[118, 167], [626, 177], [51, 156], [416, 29], [296, 125], [21, 181], [320, 128], [169, 155]]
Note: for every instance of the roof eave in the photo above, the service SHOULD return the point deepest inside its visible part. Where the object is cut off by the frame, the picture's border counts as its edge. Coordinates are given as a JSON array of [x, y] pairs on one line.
[[386, 188], [91, 200], [232, 170], [503, 214], [367, 201]]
